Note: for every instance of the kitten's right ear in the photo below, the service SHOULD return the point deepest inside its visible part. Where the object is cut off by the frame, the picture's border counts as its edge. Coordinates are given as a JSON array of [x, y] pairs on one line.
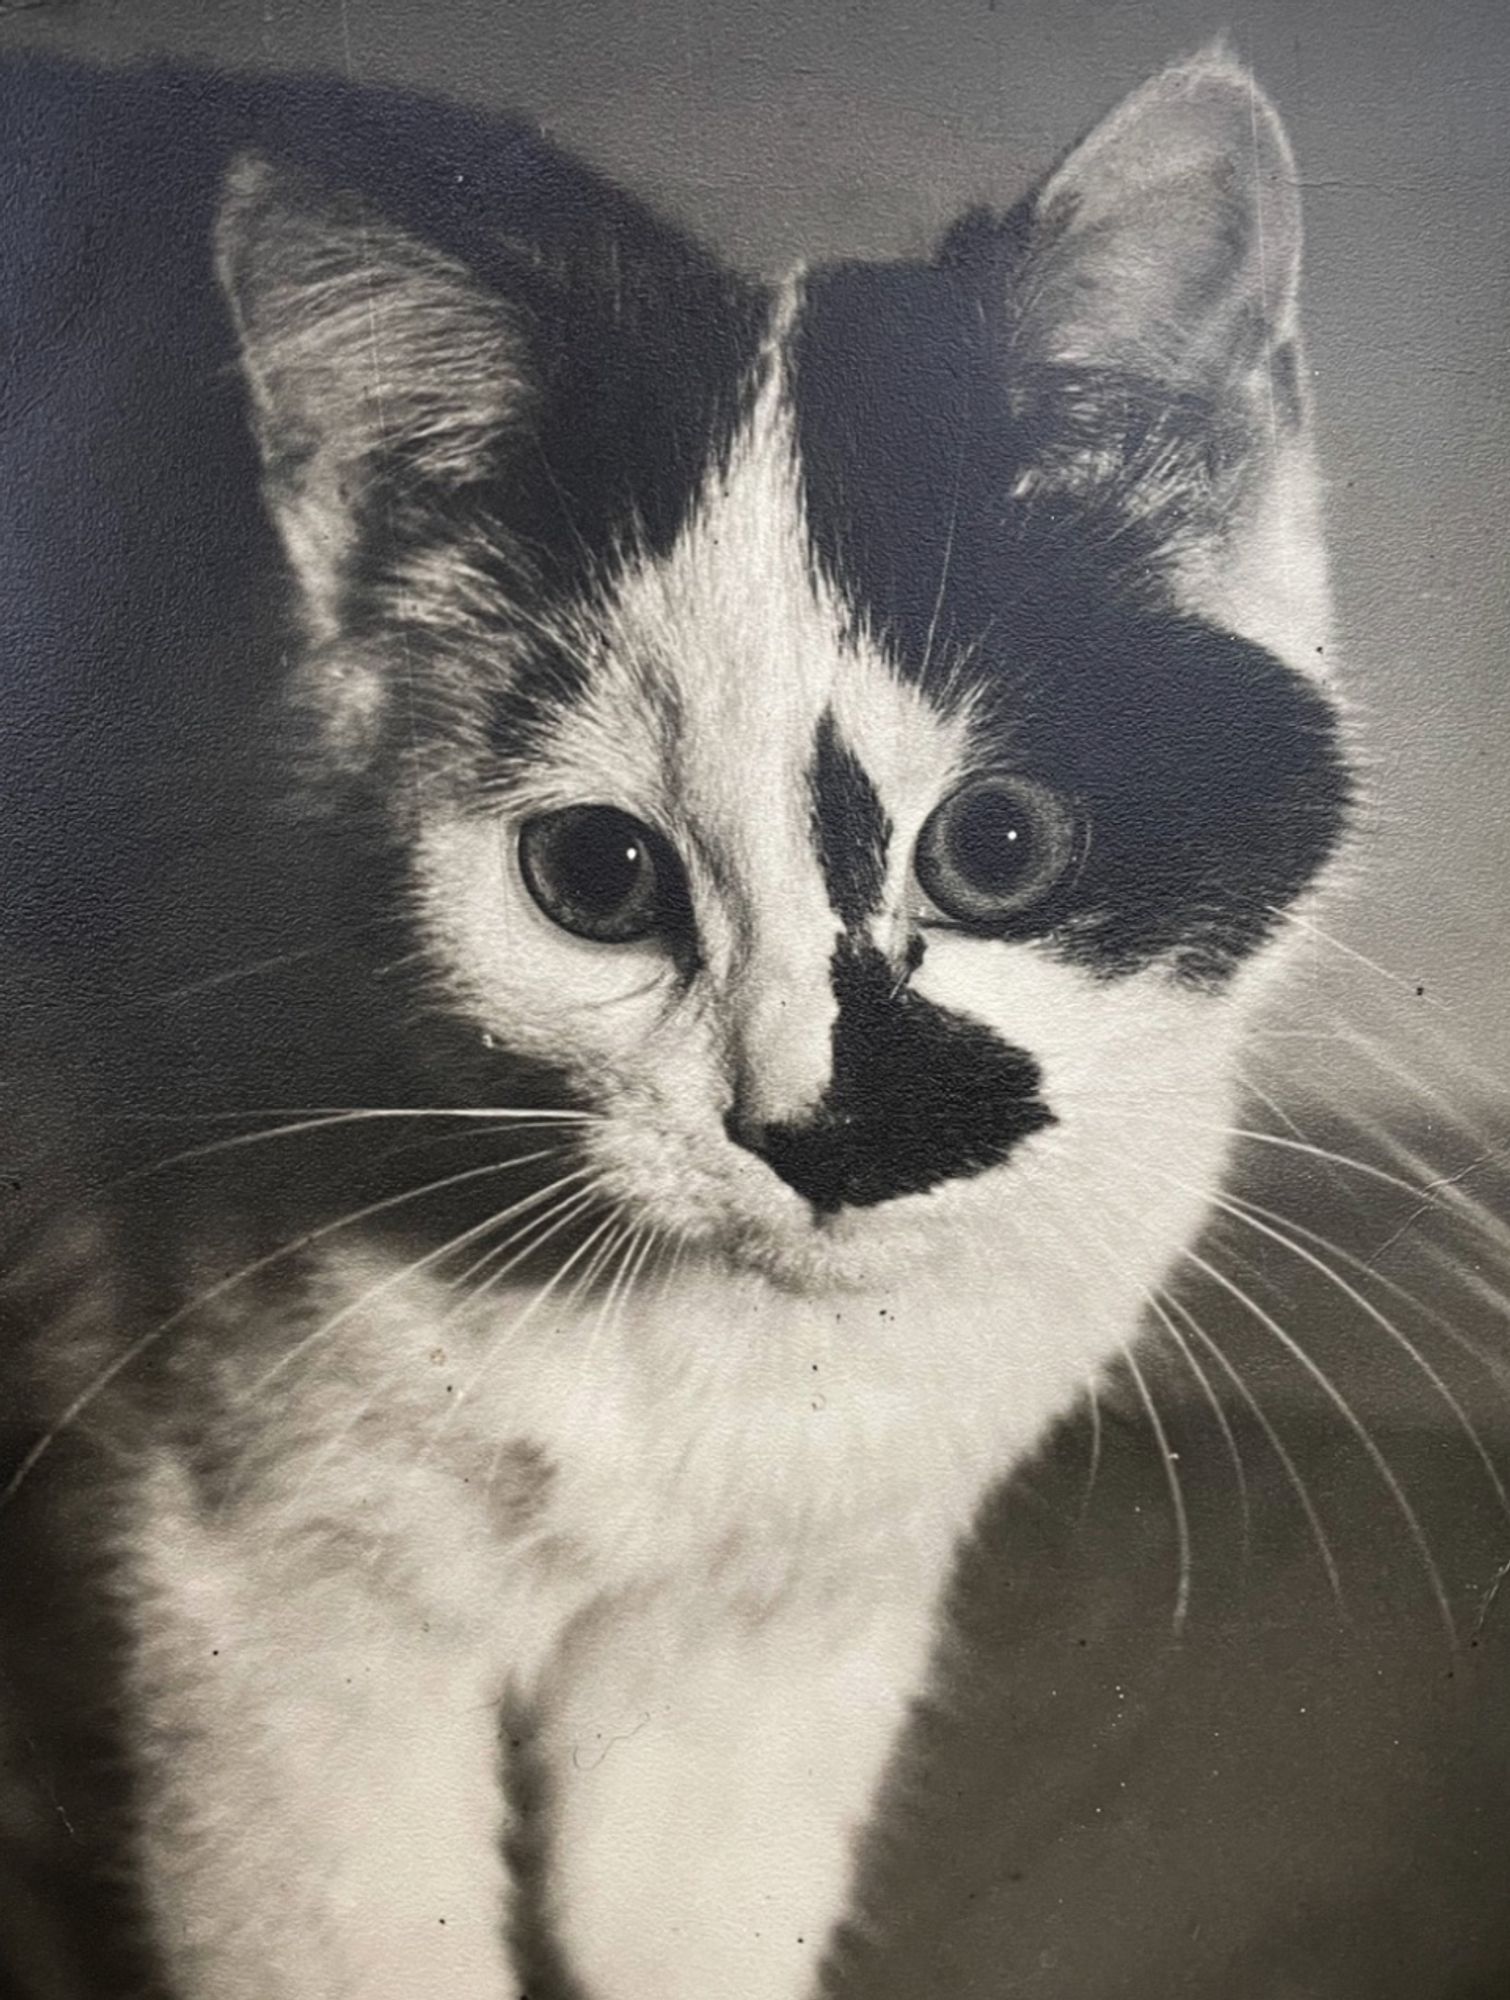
[[363, 348]]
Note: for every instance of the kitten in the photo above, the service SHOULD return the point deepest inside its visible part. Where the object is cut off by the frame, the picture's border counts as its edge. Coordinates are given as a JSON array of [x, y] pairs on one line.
[[827, 762]]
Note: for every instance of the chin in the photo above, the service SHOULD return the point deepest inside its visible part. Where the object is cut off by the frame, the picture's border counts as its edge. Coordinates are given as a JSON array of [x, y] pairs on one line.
[[820, 1257], [885, 1247]]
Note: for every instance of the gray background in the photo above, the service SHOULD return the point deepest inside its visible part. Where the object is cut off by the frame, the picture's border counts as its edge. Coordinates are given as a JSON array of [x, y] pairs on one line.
[[1292, 1801], [793, 128]]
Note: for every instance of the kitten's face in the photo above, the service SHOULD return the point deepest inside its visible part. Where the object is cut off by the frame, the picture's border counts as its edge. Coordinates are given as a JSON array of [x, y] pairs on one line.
[[802, 1057], [879, 806]]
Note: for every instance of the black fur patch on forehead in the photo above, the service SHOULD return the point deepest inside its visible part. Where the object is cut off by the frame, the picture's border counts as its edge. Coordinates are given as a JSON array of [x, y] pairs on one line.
[[939, 483], [851, 830]]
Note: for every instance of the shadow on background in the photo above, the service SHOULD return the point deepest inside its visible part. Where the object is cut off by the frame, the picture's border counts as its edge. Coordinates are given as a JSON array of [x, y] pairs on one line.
[[1306, 1790]]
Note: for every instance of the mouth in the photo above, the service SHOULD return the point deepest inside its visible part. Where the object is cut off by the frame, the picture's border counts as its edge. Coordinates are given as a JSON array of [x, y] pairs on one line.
[[832, 1248]]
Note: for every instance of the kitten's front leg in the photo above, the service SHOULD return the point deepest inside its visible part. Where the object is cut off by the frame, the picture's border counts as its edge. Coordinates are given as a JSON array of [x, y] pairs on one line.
[[321, 1805], [710, 1781]]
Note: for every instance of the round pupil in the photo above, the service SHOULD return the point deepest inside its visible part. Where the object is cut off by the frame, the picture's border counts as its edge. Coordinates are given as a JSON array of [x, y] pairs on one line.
[[991, 842], [599, 860], [595, 871], [992, 852]]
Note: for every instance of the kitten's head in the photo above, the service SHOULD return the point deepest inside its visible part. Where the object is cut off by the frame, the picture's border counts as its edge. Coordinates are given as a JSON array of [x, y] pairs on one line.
[[863, 738]]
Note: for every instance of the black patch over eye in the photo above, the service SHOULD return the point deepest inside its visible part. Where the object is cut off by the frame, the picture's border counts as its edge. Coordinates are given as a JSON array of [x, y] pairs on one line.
[[601, 874], [995, 850]]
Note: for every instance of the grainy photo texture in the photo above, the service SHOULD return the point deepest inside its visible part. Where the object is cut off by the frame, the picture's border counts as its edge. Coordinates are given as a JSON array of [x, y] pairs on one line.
[[683, 1316]]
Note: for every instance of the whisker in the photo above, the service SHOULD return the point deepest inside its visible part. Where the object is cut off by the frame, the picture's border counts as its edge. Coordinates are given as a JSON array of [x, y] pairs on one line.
[[391, 965], [623, 1242], [610, 1226], [396, 1278], [323, 1120], [580, 1204], [1275, 1441], [1388, 1057], [1207, 1389], [655, 1241], [1470, 1214], [1312, 929], [507, 1333], [551, 1283], [1093, 1393], [1493, 1366], [253, 968], [591, 1271], [1444, 1192], [1421, 1091], [1273, 1106], [630, 1241], [1467, 1065], [1386, 1325], [644, 1240], [1218, 1411], [141, 1345], [494, 1250], [1354, 1423], [558, 1216], [680, 1243], [655, 1262], [1170, 1460], [401, 1149], [950, 533], [366, 1111], [1472, 1281], [1328, 1154]]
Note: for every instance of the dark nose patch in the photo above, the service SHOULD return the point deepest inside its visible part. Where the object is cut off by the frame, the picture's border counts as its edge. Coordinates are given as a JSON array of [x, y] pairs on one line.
[[918, 1096]]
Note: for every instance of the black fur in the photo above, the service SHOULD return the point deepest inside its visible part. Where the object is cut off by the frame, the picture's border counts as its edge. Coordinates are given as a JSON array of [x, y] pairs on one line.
[[153, 840], [1210, 775], [851, 830], [918, 1096]]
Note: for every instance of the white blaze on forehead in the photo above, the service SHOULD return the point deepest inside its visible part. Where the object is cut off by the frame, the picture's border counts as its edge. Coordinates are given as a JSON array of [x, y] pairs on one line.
[[722, 659]]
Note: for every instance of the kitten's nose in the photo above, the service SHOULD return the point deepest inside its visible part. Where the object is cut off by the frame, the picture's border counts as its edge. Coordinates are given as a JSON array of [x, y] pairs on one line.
[[915, 1096], [819, 1161]]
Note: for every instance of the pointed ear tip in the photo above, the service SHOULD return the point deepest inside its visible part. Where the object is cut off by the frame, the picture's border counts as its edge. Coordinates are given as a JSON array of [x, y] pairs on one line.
[[247, 181], [254, 184], [1217, 58], [1208, 103], [246, 192], [1217, 73], [263, 203]]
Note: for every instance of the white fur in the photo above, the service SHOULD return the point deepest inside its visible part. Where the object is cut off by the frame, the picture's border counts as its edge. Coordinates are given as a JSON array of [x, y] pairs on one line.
[[699, 1523], [762, 1461]]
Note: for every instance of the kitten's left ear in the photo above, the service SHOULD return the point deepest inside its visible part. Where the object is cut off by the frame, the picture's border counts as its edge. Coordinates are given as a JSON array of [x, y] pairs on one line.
[[1166, 245], [363, 348], [1146, 302]]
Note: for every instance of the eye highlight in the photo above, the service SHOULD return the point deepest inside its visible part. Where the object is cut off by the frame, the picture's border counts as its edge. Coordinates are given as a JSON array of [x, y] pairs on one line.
[[601, 874], [995, 849]]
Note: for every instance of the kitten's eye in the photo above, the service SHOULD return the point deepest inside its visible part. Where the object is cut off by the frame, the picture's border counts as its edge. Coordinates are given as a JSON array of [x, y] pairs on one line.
[[995, 849], [600, 874]]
